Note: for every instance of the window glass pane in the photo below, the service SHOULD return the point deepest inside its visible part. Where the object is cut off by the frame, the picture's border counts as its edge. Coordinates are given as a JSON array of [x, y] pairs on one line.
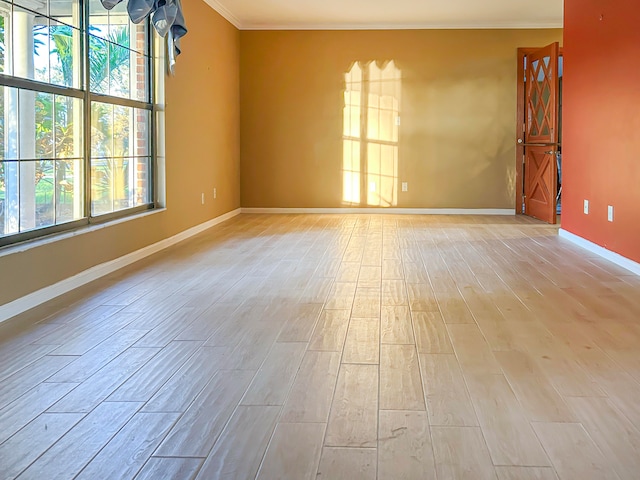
[[118, 71], [99, 65], [119, 53], [122, 129], [43, 124], [70, 190], [9, 198], [119, 25], [40, 6], [108, 23], [2, 122], [118, 131], [37, 48], [26, 125], [8, 177], [58, 193], [121, 176], [65, 11], [40, 67], [48, 126], [139, 78], [99, 19], [65, 43], [101, 186], [118, 183], [115, 26], [120, 157], [139, 41], [44, 210], [34, 193], [101, 130], [68, 127], [23, 49], [58, 126], [9, 123], [142, 137], [5, 10], [142, 186]]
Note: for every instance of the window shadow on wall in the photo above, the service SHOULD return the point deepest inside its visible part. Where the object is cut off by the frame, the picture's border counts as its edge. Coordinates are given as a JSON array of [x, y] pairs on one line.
[[371, 123]]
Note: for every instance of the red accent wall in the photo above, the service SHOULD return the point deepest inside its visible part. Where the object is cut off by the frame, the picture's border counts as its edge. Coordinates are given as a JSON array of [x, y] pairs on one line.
[[601, 122]]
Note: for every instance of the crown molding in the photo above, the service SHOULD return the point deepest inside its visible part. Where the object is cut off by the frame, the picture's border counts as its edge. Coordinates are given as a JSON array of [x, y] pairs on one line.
[[225, 13], [236, 22], [413, 26]]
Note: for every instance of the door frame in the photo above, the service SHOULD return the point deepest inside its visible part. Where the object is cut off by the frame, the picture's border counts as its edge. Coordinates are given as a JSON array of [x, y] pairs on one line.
[[520, 125]]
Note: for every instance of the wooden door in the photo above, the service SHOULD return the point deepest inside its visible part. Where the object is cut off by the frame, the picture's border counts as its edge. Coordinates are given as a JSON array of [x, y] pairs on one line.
[[541, 133]]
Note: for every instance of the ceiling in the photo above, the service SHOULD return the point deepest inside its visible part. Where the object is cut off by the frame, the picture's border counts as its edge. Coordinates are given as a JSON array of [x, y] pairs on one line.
[[389, 14]]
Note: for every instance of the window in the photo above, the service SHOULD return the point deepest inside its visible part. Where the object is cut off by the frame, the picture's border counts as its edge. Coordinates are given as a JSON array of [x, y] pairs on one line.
[[76, 115]]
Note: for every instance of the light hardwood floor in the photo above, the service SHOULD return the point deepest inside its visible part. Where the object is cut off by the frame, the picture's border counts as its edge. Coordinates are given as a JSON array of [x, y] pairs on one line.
[[334, 347]]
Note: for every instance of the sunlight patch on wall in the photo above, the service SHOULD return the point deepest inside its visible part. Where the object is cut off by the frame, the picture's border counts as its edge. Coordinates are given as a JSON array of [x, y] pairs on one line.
[[371, 120]]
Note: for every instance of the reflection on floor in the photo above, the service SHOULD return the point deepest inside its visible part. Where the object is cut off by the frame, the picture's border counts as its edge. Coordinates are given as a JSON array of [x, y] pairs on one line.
[[334, 346]]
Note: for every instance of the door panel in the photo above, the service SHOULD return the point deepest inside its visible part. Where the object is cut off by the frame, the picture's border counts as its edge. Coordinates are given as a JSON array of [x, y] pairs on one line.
[[541, 133], [542, 96], [540, 183]]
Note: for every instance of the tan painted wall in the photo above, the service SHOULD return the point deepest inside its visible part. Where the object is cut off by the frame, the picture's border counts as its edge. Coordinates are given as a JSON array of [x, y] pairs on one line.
[[202, 151], [458, 108]]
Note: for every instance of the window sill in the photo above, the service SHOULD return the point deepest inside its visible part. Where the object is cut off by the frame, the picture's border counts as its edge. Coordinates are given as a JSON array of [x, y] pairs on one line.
[[90, 228]]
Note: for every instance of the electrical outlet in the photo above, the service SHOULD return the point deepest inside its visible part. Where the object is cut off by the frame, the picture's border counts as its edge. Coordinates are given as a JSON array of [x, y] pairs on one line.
[[586, 207], [398, 121], [202, 194], [215, 193], [405, 186], [610, 213]]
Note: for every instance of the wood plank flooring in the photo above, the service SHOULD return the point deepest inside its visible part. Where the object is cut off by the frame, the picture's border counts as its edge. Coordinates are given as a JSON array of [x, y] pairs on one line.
[[334, 347]]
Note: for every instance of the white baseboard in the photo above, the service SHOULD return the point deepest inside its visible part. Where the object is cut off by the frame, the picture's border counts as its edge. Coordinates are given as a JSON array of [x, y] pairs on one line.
[[392, 211], [45, 294], [614, 257]]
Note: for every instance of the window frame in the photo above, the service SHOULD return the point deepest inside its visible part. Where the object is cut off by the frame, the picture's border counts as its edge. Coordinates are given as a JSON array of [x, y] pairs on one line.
[[87, 97]]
